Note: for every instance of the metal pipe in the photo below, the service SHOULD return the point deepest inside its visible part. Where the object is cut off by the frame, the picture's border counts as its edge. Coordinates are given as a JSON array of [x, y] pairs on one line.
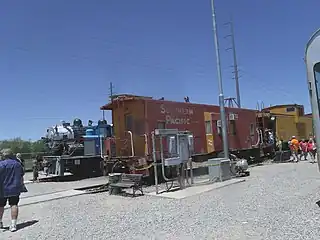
[[257, 144], [191, 171], [261, 137], [101, 150], [182, 176], [186, 175], [155, 162], [132, 147], [221, 96], [146, 144]]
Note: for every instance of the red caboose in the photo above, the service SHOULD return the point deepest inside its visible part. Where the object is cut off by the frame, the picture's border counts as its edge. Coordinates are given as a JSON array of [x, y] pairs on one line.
[[139, 116]]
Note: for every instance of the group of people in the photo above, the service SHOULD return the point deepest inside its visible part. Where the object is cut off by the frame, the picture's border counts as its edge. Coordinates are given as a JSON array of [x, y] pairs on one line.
[[11, 185], [302, 149]]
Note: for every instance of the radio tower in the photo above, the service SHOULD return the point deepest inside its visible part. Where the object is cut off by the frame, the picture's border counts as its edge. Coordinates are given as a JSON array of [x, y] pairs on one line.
[[235, 65]]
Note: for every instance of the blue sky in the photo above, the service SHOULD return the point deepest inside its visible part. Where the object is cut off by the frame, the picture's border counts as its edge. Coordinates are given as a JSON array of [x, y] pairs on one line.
[[58, 57]]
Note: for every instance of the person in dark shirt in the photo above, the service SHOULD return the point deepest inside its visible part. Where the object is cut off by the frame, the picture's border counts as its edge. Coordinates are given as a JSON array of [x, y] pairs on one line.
[[11, 185]]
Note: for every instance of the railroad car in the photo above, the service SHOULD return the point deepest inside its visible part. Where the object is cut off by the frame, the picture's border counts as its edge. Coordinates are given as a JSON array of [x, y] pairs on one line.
[[134, 118], [76, 148], [286, 121]]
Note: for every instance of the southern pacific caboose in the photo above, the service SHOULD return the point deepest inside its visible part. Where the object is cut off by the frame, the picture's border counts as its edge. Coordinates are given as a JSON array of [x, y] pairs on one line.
[[135, 117]]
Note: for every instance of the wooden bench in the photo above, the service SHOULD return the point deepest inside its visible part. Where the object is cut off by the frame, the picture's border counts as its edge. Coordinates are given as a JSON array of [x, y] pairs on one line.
[[133, 181]]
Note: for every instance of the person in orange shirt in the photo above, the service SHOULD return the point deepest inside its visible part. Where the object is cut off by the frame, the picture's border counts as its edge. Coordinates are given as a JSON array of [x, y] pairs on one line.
[[294, 145]]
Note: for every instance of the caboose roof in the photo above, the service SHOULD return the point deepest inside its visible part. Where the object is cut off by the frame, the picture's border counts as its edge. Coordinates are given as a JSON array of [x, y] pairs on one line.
[[131, 97], [282, 106]]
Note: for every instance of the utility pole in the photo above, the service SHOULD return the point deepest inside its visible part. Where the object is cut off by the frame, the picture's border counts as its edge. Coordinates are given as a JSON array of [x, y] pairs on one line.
[[221, 96], [235, 65]]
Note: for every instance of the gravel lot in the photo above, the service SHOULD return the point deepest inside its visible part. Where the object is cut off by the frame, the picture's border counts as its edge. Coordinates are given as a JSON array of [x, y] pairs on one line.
[[276, 202]]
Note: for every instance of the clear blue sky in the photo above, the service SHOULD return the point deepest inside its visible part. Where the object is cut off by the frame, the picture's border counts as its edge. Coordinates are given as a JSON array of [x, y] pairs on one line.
[[57, 57]]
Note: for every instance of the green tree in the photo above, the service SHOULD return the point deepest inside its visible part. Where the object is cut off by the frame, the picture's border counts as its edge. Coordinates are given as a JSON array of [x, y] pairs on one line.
[[23, 146], [38, 146]]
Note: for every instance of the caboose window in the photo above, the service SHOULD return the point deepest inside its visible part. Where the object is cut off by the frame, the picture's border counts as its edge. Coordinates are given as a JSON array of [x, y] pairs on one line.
[[208, 127], [161, 125], [252, 129], [233, 128], [129, 122], [290, 109]]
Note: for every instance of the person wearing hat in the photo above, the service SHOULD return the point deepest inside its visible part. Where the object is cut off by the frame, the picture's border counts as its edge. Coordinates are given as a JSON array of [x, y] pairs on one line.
[[11, 173]]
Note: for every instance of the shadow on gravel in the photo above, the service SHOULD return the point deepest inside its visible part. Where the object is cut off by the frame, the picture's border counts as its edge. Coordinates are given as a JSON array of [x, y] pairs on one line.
[[127, 194], [67, 178], [24, 224]]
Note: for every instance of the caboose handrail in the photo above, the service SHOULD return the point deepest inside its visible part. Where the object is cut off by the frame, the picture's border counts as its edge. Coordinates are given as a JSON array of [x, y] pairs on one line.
[[259, 139], [131, 140], [146, 144]]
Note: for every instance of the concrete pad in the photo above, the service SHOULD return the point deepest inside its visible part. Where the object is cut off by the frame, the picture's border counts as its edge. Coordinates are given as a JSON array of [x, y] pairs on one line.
[[196, 189], [49, 197]]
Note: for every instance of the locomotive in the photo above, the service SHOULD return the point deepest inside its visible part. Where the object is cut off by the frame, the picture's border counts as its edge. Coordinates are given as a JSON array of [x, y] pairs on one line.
[[67, 139]]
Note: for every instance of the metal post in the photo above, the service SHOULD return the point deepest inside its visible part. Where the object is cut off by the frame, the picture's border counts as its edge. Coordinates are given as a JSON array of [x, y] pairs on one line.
[[155, 162], [221, 96], [191, 171], [182, 176]]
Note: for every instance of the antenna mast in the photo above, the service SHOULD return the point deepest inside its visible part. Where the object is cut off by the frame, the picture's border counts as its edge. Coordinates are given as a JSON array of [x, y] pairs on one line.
[[111, 91], [235, 64]]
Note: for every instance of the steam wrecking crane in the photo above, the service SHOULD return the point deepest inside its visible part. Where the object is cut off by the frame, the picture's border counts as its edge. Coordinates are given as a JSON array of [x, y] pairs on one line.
[[76, 148]]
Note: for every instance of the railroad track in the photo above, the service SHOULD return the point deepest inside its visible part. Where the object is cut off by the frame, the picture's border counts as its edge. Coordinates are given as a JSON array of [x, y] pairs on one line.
[[94, 189], [66, 178]]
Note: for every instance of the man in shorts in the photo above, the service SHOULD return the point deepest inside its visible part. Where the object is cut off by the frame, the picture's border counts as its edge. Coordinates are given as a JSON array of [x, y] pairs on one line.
[[11, 185]]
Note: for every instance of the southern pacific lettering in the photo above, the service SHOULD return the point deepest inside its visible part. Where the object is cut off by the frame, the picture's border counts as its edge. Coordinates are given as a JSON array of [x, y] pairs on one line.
[[176, 120]]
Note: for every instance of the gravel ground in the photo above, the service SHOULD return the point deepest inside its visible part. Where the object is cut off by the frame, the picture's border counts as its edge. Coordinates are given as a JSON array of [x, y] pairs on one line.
[[276, 202]]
